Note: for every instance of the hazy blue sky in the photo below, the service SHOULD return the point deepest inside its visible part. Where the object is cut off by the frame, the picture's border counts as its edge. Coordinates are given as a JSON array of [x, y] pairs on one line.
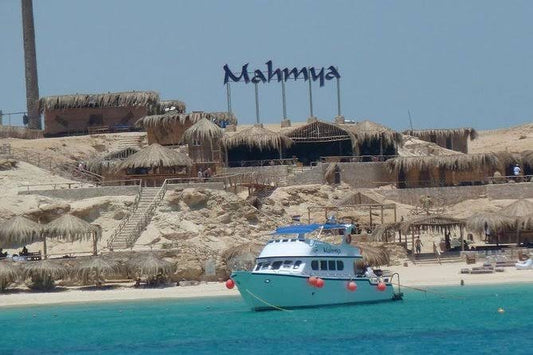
[[451, 63]]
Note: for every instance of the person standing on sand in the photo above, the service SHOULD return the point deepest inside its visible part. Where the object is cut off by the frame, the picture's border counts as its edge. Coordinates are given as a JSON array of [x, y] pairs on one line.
[[436, 251], [418, 245], [516, 172]]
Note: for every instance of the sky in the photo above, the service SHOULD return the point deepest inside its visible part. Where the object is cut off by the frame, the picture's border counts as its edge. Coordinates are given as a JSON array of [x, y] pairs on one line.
[[447, 64]]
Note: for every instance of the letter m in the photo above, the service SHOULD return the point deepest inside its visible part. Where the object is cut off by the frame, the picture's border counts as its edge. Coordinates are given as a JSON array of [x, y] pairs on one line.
[[229, 75], [294, 72]]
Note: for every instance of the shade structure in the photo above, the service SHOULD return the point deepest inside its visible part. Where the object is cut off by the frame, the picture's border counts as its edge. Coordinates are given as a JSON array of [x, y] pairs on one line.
[[8, 273], [488, 222], [71, 228], [44, 272], [18, 232], [526, 222], [520, 208], [149, 265], [433, 223], [96, 269], [381, 232], [155, 155], [257, 137], [203, 130], [242, 256], [373, 255]]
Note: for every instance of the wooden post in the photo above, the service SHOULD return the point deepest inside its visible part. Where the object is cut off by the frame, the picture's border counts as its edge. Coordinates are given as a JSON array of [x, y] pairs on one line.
[[395, 218], [44, 248], [309, 215], [370, 216], [461, 238]]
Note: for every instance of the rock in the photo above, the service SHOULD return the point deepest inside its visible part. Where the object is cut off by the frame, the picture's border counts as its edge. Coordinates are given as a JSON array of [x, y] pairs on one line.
[[194, 198], [8, 164]]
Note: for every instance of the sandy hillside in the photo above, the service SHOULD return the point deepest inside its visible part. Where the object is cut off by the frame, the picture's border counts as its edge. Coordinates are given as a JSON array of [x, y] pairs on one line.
[[513, 139]]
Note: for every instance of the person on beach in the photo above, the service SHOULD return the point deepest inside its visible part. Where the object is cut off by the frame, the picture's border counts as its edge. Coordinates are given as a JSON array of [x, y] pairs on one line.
[[436, 251], [418, 245], [516, 172]]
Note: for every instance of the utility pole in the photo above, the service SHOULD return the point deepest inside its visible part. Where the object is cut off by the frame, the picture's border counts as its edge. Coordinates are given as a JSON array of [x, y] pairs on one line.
[[30, 65]]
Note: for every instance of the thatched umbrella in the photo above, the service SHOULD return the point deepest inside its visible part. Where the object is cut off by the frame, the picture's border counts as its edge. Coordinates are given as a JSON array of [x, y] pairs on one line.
[[19, 231], [151, 267], [257, 137], [8, 274], [483, 222], [242, 256], [203, 130], [96, 269], [526, 222], [155, 156], [373, 255], [382, 231], [108, 162], [71, 228], [43, 273], [518, 210]]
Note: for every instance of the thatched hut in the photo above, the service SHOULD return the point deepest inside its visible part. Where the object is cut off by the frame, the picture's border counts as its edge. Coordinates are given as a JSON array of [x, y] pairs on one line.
[[44, 273], [86, 113], [373, 255], [252, 145], [434, 223], [204, 140], [168, 128], [520, 212], [154, 269], [491, 226], [454, 139], [447, 170], [105, 165], [71, 228], [320, 139], [374, 141], [155, 163]]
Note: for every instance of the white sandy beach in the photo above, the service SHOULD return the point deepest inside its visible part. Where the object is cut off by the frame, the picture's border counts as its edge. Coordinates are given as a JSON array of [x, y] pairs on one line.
[[414, 276]]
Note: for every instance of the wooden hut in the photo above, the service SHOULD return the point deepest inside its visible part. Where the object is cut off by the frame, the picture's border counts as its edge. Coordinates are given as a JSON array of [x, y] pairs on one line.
[[374, 141], [447, 170], [454, 139], [204, 140], [320, 139], [168, 128], [253, 146], [154, 164], [434, 223], [92, 113], [106, 165]]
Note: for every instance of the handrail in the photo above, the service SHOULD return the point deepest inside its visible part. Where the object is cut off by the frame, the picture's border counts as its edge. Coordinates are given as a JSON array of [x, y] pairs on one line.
[[70, 185], [357, 158], [131, 211], [147, 215]]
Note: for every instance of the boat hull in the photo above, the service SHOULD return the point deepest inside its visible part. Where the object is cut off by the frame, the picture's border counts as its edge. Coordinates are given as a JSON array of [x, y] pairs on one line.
[[263, 291]]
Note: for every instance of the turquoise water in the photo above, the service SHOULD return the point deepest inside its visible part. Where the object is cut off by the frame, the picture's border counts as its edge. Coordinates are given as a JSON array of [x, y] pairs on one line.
[[456, 320]]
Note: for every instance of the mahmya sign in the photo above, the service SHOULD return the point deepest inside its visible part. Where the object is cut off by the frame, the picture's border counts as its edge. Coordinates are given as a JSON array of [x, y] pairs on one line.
[[281, 75], [260, 76]]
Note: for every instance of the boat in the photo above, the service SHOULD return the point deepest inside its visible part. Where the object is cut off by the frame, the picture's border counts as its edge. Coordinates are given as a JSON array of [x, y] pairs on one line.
[[294, 270]]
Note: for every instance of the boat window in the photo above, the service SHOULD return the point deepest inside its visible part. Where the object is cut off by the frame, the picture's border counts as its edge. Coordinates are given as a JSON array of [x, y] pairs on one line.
[[276, 265], [297, 264], [258, 266], [340, 265], [265, 266], [287, 263], [285, 240], [323, 264], [331, 265], [314, 264]]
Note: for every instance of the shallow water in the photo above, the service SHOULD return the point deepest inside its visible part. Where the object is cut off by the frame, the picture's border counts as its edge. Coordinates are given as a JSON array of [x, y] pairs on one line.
[[441, 321]]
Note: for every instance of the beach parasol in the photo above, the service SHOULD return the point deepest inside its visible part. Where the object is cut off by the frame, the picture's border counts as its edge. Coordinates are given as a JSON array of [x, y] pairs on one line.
[[242, 256], [8, 274], [519, 211], [71, 228], [149, 266], [96, 269], [153, 156], [18, 232], [484, 222], [43, 273]]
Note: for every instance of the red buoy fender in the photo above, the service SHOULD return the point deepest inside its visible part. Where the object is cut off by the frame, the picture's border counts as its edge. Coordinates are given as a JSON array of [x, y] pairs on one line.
[[381, 286], [312, 281], [351, 286], [319, 283], [230, 284]]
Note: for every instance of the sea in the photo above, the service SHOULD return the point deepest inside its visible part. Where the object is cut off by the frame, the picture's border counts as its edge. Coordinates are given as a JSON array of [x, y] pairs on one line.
[[437, 320]]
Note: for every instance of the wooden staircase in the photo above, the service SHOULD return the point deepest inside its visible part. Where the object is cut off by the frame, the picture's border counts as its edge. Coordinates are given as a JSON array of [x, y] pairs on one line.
[[130, 229]]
